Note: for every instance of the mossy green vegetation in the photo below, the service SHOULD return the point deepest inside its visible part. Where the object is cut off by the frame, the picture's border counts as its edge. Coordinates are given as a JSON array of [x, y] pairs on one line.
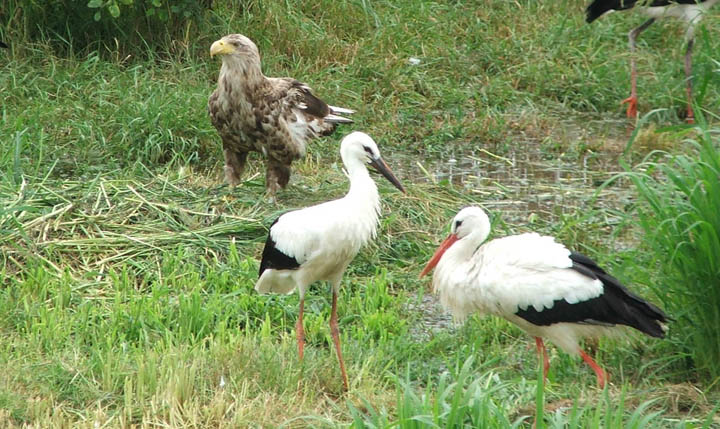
[[127, 267]]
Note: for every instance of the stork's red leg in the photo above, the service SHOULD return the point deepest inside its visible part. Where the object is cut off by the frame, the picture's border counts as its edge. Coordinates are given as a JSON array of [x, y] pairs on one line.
[[336, 337], [299, 330], [632, 100], [599, 372], [688, 80], [542, 352]]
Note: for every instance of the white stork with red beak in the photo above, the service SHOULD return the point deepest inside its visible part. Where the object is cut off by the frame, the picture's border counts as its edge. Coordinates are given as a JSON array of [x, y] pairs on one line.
[[536, 283], [318, 243]]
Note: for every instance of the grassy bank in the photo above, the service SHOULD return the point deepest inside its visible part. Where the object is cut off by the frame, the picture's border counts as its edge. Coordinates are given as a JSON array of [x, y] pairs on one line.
[[127, 267]]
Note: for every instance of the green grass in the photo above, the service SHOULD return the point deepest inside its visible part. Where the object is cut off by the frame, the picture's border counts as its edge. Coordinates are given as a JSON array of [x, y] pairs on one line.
[[127, 267], [680, 195]]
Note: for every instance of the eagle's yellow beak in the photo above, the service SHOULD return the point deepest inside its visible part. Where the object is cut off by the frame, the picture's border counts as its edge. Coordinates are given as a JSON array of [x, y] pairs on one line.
[[220, 47]]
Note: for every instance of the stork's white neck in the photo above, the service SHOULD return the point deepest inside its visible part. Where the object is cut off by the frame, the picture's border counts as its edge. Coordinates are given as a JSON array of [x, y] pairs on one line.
[[464, 248], [461, 251], [362, 201], [362, 187]]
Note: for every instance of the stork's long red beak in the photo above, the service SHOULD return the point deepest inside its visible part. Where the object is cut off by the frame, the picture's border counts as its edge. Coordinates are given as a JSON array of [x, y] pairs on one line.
[[445, 245]]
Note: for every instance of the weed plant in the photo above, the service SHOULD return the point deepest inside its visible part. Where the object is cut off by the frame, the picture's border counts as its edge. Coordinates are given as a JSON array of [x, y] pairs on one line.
[[680, 217], [130, 26], [472, 401]]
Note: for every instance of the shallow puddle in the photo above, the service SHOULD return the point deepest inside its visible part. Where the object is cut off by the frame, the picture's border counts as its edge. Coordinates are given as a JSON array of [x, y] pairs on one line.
[[528, 179]]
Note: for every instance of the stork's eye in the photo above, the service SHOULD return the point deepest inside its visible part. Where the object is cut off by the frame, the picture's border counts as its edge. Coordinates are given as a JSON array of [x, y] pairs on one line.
[[368, 151], [457, 224]]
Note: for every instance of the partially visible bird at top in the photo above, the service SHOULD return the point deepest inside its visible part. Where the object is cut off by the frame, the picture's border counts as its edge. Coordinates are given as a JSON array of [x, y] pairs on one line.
[[274, 116], [536, 283], [690, 11], [318, 243]]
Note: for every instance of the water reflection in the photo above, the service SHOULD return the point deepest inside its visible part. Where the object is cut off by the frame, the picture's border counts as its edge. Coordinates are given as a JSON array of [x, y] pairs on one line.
[[525, 181]]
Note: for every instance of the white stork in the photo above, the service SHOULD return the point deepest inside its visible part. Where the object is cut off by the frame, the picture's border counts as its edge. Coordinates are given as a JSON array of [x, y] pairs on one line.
[[690, 11], [537, 284], [319, 242]]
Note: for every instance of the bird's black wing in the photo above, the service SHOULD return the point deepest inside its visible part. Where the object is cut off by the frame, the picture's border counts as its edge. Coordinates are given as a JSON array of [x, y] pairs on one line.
[[616, 305], [594, 311], [273, 258], [599, 7]]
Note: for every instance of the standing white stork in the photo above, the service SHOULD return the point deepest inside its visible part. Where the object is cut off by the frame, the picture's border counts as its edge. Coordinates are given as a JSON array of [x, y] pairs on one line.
[[537, 284], [690, 11], [319, 242]]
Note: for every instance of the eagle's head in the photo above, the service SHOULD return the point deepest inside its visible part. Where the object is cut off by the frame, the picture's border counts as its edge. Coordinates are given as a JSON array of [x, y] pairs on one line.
[[237, 48]]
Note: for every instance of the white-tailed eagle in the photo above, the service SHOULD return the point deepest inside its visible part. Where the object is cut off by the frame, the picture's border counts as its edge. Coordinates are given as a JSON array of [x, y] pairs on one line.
[[274, 116]]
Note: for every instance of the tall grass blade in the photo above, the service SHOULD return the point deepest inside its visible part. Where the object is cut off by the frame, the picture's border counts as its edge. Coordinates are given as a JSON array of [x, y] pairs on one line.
[[681, 222]]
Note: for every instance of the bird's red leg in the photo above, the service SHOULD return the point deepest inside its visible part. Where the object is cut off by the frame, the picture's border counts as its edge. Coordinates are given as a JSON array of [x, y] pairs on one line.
[[599, 372], [542, 351], [336, 337], [299, 330], [688, 78], [632, 100]]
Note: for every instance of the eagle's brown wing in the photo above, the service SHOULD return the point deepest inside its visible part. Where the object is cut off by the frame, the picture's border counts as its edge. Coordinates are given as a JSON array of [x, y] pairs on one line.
[[293, 94], [302, 95], [289, 115]]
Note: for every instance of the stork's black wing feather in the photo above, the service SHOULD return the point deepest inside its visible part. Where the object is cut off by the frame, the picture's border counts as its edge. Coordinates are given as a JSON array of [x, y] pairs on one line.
[[594, 311], [616, 305], [273, 258], [599, 7]]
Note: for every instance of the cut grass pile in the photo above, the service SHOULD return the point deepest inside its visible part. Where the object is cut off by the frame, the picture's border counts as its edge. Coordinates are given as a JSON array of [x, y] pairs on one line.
[[127, 267]]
